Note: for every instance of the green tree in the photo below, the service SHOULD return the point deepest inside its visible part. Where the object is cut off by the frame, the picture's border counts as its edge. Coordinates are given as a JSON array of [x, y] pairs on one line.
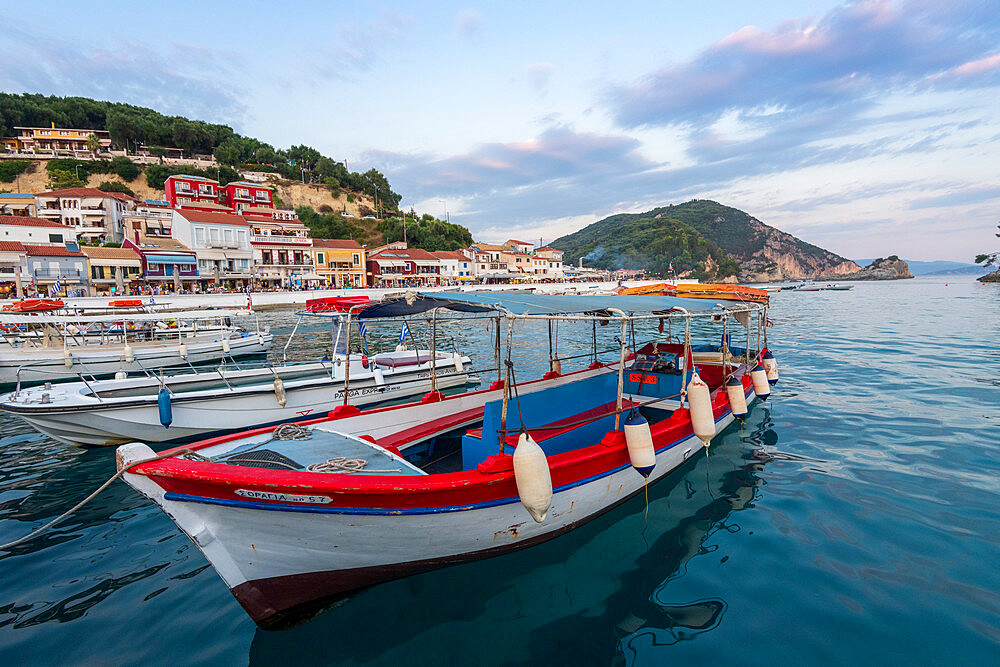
[[11, 169], [93, 143], [989, 259], [124, 167], [115, 186], [60, 180], [228, 152]]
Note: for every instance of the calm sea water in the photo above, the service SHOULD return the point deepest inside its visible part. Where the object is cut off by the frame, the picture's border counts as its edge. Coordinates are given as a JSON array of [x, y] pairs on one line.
[[855, 519]]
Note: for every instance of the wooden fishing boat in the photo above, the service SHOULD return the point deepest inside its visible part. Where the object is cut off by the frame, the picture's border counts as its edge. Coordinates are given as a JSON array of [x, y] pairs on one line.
[[294, 520], [657, 289], [722, 291]]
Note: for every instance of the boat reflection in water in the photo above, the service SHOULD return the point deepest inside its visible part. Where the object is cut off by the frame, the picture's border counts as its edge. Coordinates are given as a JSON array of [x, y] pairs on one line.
[[607, 584]]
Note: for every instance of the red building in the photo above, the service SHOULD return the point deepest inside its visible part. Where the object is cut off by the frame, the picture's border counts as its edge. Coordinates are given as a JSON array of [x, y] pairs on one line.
[[181, 189], [403, 267], [241, 195]]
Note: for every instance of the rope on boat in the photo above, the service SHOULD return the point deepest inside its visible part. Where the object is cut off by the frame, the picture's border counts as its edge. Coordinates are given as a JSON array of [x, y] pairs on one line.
[[344, 465], [72, 510]]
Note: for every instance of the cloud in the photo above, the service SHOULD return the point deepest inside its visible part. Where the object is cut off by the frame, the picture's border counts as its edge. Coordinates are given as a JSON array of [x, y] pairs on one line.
[[361, 45], [858, 51], [958, 197], [538, 75], [468, 23], [191, 81]]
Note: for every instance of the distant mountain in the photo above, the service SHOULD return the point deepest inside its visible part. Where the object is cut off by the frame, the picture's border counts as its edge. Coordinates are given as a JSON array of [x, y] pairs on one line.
[[934, 268], [702, 237]]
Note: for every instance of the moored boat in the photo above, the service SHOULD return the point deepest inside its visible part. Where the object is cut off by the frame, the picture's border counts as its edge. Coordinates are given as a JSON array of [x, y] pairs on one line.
[[292, 520]]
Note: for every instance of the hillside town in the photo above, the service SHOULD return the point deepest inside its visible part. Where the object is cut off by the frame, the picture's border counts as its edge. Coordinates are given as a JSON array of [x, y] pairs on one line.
[[206, 237]]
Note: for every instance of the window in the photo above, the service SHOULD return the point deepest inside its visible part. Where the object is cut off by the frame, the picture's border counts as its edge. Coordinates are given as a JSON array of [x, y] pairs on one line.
[[356, 258], [266, 257], [55, 238], [229, 235], [241, 236], [213, 235], [199, 235], [243, 264], [321, 258]]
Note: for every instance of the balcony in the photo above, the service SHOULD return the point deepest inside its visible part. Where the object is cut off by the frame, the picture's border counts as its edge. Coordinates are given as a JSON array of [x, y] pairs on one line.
[[277, 238], [65, 275], [230, 245]]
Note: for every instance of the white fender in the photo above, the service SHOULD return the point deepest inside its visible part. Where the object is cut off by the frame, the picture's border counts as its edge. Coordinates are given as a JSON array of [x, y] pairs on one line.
[[225, 345], [379, 376], [279, 391], [532, 476], [458, 362], [761, 387], [700, 404], [771, 366], [121, 375], [639, 441], [67, 359], [182, 350], [737, 399], [129, 354]]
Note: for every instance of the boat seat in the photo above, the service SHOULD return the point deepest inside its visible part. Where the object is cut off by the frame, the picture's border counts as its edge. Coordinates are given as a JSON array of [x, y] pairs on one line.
[[408, 360]]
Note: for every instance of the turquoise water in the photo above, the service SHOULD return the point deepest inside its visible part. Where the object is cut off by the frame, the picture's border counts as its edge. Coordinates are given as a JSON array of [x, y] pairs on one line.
[[855, 520]]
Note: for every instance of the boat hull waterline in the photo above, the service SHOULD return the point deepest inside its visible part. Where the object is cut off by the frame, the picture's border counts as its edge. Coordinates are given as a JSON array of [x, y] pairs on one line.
[[347, 538]]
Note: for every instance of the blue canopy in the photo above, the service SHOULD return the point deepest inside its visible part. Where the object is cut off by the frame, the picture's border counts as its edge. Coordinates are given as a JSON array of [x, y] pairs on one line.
[[535, 304]]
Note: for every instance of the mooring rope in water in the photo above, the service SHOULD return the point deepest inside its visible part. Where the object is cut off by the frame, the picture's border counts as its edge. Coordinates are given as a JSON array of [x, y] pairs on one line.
[[70, 511]]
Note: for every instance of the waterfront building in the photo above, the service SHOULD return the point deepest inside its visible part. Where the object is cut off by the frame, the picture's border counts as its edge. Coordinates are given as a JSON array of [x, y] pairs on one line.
[[95, 214], [455, 266], [57, 270], [13, 268], [17, 203], [519, 246], [340, 262], [221, 242], [164, 260], [35, 231], [112, 270], [554, 258], [282, 249], [395, 266]]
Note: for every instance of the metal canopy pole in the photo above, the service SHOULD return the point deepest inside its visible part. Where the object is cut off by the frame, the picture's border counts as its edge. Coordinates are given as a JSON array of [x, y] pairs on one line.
[[434, 349], [621, 364]]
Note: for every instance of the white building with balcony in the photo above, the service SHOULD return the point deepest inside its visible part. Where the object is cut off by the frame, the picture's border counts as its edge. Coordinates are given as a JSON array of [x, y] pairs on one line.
[[282, 248], [221, 242], [96, 215]]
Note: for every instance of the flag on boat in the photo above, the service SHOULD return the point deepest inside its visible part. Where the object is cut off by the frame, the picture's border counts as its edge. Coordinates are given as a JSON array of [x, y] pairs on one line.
[[55, 288], [404, 331], [249, 301], [768, 322], [671, 267], [363, 330]]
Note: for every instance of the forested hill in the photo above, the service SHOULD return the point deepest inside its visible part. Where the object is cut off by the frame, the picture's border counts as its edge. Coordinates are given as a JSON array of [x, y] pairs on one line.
[[704, 237], [132, 126]]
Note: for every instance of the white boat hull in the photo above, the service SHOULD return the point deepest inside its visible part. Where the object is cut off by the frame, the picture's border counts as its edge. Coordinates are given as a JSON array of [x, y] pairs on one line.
[[276, 558], [47, 365]]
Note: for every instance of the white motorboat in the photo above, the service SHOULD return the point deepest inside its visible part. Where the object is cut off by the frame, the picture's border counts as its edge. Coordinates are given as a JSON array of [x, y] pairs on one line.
[[208, 402], [47, 348]]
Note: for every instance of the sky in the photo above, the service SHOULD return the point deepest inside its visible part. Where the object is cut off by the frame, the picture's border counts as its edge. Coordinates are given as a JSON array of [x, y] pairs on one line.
[[868, 128]]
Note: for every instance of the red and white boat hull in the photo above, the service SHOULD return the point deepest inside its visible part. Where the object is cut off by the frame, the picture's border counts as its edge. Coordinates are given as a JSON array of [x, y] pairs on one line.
[[285, 549]]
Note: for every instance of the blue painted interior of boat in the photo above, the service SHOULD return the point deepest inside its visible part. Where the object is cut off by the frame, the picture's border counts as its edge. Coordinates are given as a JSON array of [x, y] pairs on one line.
[[542, 408]]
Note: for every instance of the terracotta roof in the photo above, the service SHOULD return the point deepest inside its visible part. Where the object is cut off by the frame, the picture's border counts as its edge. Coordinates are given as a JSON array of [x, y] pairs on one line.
[[210, 205], [100, 252], [547, 249], [26, 221], [519, 242], [51, 251], [450, 254], [11, 246], [246, 184], [210, 217], [409, 253], [489, 246], [338, 244], [158, 243], [79, 192]]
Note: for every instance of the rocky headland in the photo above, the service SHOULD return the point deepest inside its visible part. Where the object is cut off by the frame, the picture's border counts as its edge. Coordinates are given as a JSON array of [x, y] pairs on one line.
[[887, 268]]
